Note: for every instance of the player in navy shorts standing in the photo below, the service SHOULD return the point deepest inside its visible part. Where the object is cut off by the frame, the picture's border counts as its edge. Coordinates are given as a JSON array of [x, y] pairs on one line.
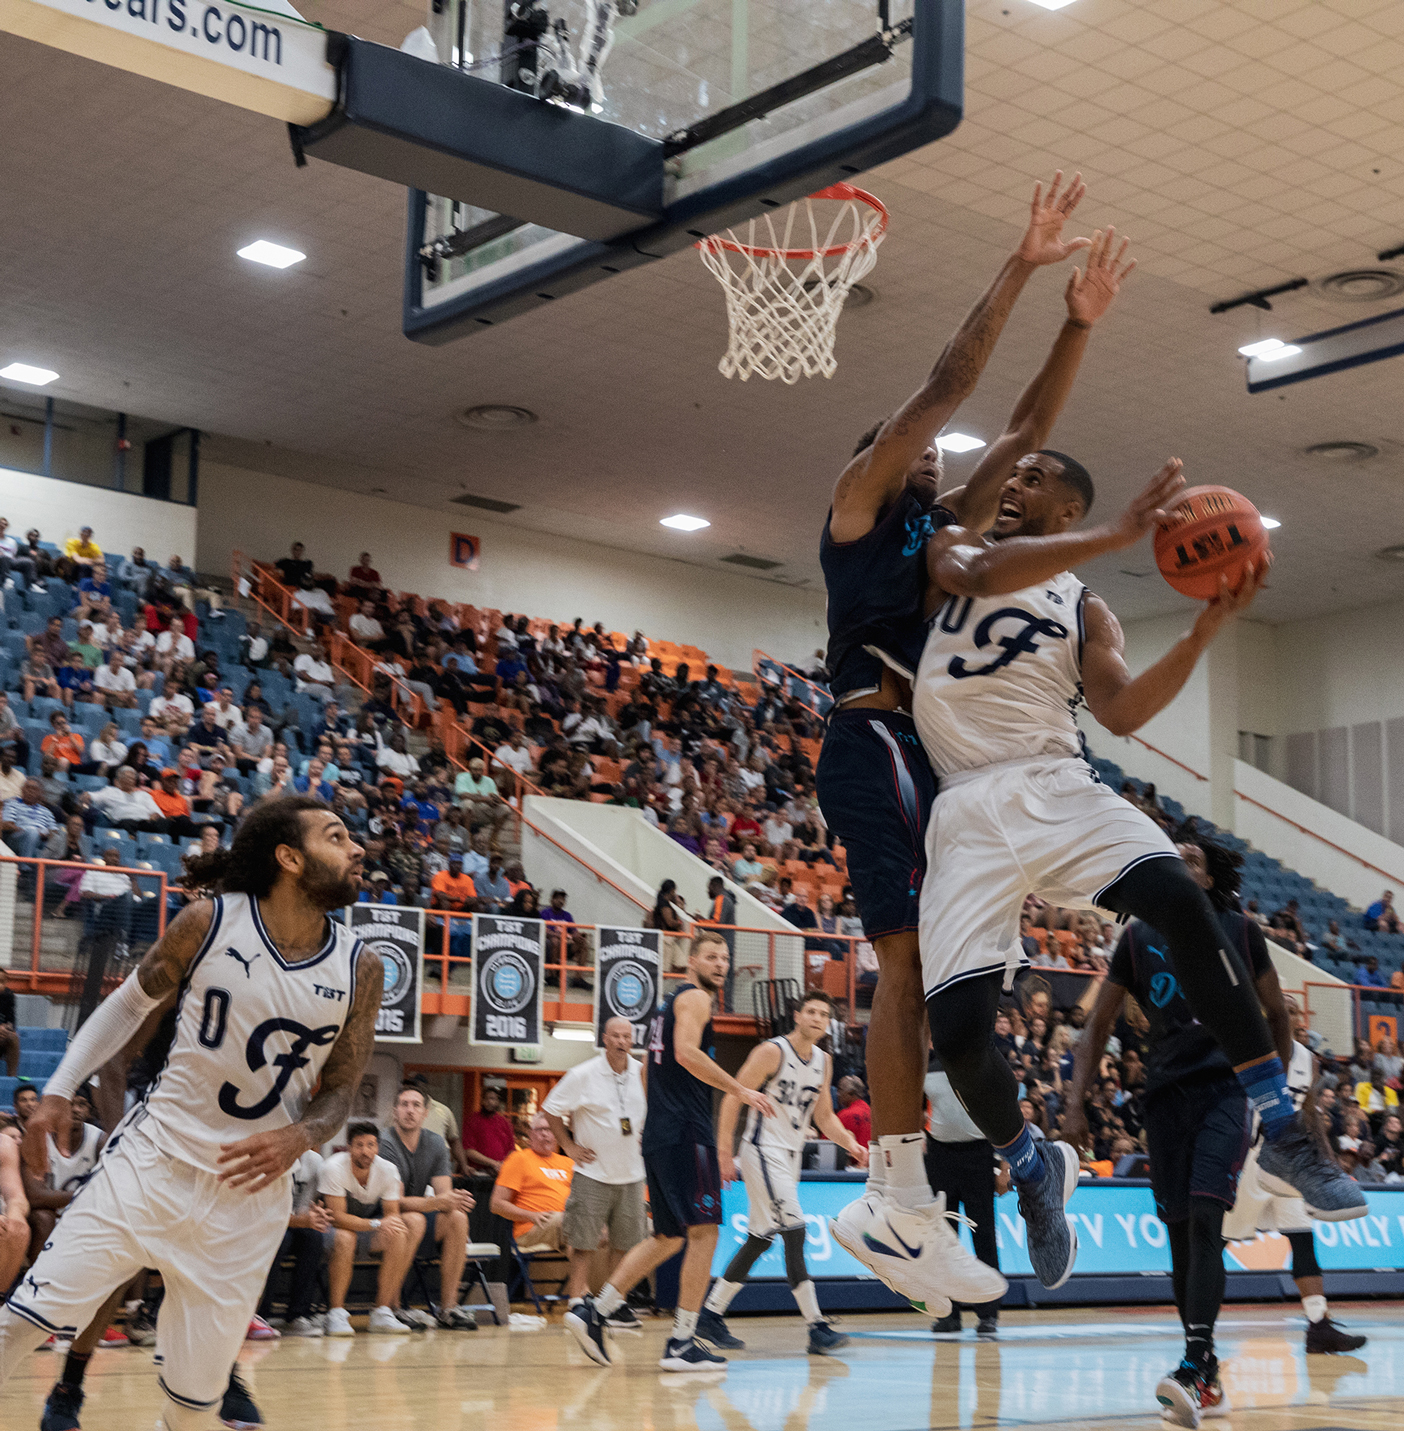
[[875, 784]]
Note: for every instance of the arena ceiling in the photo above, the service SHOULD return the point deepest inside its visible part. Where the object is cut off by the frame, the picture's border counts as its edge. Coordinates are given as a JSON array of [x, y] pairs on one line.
[[1240, 145]]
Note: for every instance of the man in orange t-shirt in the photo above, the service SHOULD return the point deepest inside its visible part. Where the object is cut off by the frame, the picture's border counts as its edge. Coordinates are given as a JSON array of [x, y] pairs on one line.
[[64, 744], [532, 1189], [453, 890]]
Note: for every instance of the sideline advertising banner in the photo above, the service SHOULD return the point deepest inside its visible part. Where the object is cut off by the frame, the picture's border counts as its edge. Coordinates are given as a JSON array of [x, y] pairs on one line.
[[628, 979], [507, 967], [397, 935]]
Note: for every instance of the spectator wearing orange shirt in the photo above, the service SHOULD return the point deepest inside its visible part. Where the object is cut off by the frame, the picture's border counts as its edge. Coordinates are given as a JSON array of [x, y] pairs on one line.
[[532, 1189], [64, 743], [174, 807], [454, 891]]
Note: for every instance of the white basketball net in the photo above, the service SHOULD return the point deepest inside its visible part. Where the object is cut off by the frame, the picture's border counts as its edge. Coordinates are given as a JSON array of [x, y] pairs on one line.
[[786, 281]]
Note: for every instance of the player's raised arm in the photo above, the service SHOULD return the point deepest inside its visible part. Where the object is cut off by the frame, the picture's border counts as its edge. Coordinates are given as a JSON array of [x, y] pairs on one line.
[[959, 562], [874, 478], [253, 1163], [690, 1013], [761, 1063], [1122, 704], [115, 1021], [1088, 296]]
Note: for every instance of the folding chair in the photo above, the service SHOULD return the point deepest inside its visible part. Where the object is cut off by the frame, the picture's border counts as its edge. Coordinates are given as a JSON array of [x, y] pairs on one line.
[[522, 1276]]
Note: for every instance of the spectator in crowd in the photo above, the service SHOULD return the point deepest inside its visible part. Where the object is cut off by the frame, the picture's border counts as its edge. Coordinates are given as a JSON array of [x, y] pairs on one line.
[[12, 738], [308, 1224], [365, 580], [1374, 1095], [1381, 915], [439, 1118], [123, 806], [83, 551], [1334, 942], [440, 1215], [26, 821], [487, 1134], [115, 683], [315, 676], [365, 629], [532, 1189], [394, 759], [291, 569], [854, 1111], [798, 912], [494, 890], [477, 793], [136, 573], [1370, 975], [314, 602], [9, 1035], [10, 558], [362, 1192], [63, 743], [605, 1103]]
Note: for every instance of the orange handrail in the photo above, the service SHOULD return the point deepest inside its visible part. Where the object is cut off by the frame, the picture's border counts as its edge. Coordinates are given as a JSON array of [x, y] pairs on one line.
[[1330, 845], [584, 864], [1155, 750]]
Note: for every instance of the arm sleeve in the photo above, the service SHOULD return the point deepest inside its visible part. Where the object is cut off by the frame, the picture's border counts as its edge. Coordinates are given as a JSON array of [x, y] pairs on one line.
[[113, 1022]]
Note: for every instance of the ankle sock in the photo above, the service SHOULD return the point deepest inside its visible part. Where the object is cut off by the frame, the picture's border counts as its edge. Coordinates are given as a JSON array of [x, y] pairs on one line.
[[903, 1156], [877, 1173], [1024, 1156], [808, 1302], [1266, 1086], [1314, 1307], [609, 1301], [684, 1325]]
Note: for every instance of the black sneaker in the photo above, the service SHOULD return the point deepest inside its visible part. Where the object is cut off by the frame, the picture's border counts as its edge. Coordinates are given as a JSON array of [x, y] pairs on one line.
[[141, 1328], [823, 1339], [944, 1326], [584, 1322], [237, 1409], [988, 1325], [690, 1355], [1178, 1393], [711, 1327], [62, 1408], [1327, 1337], [624, 1319]]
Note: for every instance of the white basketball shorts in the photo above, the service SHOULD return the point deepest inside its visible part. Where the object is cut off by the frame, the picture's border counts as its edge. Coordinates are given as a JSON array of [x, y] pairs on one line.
[[772, 1185], [212, 1244], [999, 834], [1264, 1204]]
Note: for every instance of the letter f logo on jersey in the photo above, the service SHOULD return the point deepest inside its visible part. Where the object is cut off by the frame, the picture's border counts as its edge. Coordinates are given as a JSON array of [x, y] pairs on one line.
[[286, 1063], [1013, 646]]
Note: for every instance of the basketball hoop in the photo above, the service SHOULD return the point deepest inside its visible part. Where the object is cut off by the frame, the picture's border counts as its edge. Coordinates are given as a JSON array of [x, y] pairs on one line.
[[783, 302]]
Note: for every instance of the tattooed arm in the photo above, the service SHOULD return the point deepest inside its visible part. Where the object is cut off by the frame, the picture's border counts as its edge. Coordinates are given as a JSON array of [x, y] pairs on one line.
[[253, 1163], [114, 1022]]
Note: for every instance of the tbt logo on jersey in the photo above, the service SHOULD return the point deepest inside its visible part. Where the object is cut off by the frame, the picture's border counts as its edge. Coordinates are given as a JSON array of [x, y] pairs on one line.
[[287, 1063], [1022, 638]]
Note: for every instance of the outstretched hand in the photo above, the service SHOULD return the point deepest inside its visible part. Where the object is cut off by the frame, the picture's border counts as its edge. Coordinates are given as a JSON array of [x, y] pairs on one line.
[[1230, 603], [1090, 294], [1043, 240], [1151, 507]]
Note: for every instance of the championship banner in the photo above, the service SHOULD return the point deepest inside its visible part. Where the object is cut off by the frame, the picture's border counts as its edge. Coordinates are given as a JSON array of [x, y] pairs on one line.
[[628, 976], [397, 935], [507, 972]]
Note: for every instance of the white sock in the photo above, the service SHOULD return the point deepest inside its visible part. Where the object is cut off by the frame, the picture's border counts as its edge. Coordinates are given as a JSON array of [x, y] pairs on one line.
[[808, 1302], [609, 1301], [575, 1301], [684, 1325], [1314, 1307], [906, 1181], [877, 1173], [719, 1298]]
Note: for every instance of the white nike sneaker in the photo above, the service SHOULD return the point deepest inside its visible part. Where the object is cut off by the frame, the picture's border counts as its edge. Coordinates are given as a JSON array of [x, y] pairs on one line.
[[916, 1252], [384, 1321], [338, 1323]]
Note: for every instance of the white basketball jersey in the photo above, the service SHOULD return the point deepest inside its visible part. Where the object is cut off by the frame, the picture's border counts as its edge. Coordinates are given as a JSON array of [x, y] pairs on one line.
[[793, 1089], [1001, 676], [252, 1033], [68, 1174]]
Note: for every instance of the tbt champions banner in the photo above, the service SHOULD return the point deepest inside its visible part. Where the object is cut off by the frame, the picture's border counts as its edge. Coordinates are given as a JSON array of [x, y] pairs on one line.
[[507, 973], [397, 935], [628, 975]]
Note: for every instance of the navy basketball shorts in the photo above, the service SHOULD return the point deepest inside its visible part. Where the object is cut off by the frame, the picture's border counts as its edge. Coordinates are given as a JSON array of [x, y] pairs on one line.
[[1197, 1138], [684, 1187], [876, 789]]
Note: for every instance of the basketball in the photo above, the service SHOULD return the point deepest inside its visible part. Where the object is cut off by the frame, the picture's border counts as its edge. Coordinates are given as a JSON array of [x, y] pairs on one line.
[[1214, 532]]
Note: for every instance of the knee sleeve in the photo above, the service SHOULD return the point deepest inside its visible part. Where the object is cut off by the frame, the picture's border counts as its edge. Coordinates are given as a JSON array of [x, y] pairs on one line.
[[795, 1270], [962, 1033], [1304, 1263], [738, 1269], [1205, 1280]]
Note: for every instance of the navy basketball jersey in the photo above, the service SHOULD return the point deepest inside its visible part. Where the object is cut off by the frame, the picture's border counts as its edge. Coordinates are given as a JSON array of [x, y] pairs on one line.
[[877, 592], [679, 1103]]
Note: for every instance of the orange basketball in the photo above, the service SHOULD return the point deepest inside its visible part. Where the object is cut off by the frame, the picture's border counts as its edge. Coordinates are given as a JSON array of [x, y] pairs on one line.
[[1214, 532]]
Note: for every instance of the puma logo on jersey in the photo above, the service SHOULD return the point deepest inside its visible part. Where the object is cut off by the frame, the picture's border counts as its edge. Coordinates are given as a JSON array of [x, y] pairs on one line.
[[35, 1286], [247, 963], [1021, 639], [1054, 598]]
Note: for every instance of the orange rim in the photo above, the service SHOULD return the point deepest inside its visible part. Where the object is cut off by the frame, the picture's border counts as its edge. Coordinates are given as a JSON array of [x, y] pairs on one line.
[[841, 192]]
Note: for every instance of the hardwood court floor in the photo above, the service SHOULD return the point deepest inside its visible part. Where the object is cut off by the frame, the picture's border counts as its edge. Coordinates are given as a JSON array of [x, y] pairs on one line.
[[1084, 1370]]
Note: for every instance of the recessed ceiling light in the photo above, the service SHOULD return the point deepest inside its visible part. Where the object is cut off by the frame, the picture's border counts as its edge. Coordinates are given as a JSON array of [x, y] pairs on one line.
[[681, 522], [1343, 451], [1270, 350], [1052, 4], [496, 417], [1271, 523], [25, 373], [272, 254], [959, 442]]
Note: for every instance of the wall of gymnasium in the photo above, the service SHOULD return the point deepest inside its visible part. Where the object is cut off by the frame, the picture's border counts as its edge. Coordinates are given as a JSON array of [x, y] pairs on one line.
[[120, 520], [532, 572]]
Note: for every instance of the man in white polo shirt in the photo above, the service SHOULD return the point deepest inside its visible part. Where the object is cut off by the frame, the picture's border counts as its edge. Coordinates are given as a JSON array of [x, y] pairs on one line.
[[604, 1099]]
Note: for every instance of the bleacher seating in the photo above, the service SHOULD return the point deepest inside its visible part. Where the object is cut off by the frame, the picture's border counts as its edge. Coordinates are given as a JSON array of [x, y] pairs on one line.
[[41, 1051]]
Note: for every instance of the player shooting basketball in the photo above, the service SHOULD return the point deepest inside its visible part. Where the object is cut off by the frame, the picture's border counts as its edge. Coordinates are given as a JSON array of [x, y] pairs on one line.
[[1021, 812], [875, 785]]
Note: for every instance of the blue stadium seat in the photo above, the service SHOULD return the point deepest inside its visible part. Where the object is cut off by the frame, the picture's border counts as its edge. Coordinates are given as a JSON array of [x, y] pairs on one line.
[[69, 630], [7, 1093], [128, 722], [89, 717], [40, 1066], [41, 1040], [90, 782]]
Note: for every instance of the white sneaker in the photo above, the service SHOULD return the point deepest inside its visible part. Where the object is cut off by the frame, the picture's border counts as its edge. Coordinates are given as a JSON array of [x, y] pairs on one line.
[[384, 1320], [339, 1323], [306, 1327], [916, 1253]]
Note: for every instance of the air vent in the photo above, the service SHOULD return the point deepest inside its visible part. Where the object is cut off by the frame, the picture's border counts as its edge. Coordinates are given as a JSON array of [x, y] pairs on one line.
[[1395, 554], [485, 504], [751, 563], [1343, 451], [1362, 285], [495, 417]]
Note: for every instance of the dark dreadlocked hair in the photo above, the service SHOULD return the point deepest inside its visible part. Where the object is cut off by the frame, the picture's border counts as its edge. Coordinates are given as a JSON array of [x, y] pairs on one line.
[[250, 864], [1225, 866]]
